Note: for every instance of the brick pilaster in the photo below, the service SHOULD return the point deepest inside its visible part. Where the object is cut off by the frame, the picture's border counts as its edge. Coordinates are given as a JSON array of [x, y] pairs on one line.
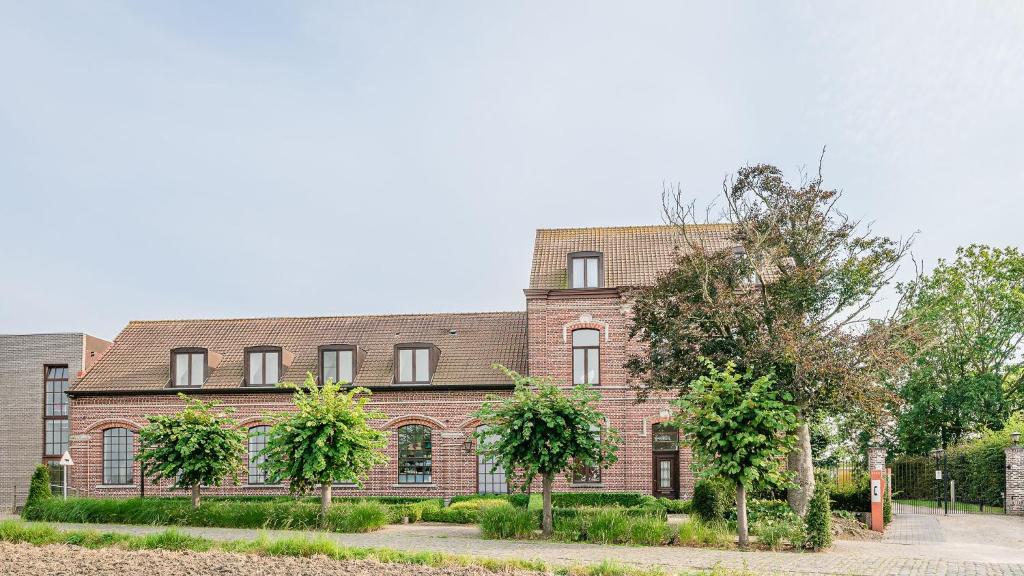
[[1015, 480]]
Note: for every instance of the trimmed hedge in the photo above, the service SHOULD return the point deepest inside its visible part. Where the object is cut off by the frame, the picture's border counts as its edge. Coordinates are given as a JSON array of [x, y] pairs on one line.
[[625, 499], [271, 514]]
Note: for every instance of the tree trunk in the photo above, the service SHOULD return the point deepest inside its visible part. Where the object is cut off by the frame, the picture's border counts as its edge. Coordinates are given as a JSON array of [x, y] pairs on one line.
[[800, 462], [195, 495], [741, 515], [325, 499], [547, 525]]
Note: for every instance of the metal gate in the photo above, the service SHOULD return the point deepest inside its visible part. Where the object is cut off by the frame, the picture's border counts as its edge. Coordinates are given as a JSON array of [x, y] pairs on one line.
[[936, 485]]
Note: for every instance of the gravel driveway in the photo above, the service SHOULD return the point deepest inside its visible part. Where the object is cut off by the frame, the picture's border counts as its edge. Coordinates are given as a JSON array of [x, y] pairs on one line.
[[29, 560]]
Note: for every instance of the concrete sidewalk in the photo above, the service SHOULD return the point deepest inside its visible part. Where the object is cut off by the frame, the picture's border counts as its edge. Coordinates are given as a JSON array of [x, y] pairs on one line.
[[847, 557]]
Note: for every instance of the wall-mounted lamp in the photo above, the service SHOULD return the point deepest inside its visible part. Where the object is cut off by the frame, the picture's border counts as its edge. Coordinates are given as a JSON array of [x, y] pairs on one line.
[[1015, 438], [467, 446]]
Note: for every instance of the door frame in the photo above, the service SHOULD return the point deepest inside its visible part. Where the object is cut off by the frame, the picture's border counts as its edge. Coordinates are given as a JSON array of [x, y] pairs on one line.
[[656, 458]]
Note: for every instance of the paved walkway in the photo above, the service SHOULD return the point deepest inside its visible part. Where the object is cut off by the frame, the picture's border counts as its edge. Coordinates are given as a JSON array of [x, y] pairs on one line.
[[872, 558]]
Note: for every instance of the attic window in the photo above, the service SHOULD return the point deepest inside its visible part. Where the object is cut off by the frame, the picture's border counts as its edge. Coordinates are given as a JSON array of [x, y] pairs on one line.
[[188, 367], [751, 276], [586, 270], [262, 366], [338, 363], [415, 363]]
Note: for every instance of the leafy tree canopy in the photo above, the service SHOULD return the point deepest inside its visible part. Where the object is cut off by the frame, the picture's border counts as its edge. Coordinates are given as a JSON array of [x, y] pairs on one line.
[[327, 440], [740, 429], [543, 430], [967, 371], [788, 293], [199, 446]]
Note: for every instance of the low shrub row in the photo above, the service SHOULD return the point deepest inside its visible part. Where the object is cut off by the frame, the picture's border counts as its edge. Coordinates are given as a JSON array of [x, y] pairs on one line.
[[361, 516], [624, 499], [604, 525]]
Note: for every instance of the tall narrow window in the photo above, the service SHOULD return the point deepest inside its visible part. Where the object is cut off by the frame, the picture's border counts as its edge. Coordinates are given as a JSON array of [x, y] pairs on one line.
[[55, 411], [586, 356], [584, 474], [263, 366], [490, 476], [257, 441], [585, 270], [337, 363], [588, 474], [188, 367], [118, 456], [415, 455], [413, 365]]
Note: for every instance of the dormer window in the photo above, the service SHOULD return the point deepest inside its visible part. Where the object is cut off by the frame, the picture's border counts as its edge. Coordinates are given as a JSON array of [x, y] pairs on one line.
[[188, 367], [751, 277], [415, 363], [338, 363], [262, 366], [586, 270]]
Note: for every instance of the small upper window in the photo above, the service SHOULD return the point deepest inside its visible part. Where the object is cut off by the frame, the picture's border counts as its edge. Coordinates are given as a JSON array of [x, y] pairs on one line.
[[337, 363], [585, 270], [414, 364], [747, 267], [188, 367], [263, 366]]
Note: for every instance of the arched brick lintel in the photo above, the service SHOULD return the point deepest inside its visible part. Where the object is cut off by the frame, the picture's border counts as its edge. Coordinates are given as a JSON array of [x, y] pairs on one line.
[[406, 419]]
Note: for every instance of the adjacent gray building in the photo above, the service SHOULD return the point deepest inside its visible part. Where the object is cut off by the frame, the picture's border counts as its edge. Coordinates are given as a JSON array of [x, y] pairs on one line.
[[35, 371]]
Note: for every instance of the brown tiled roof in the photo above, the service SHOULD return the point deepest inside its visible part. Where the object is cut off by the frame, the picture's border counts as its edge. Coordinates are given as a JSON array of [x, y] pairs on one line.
[[139, 359], [633, 255]]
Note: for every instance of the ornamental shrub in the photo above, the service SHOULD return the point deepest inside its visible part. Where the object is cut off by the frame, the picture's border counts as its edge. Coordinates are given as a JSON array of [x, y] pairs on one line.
[[819, 518], [711, 499], [507, 521], [39, 487]]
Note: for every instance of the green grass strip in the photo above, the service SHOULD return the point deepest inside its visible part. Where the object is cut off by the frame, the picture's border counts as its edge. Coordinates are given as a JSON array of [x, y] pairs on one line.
[[19, 532]]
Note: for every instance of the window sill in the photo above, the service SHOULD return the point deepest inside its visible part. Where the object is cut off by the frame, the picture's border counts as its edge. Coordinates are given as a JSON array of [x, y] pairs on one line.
[[586, 485], [413, 485], [261, 486], [116, 486]]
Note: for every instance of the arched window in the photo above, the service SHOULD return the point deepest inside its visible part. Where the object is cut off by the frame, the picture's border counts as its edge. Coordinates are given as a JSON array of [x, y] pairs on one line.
[[118, 456], [586, 356], [257, 441], [415, 455], [490, 476]]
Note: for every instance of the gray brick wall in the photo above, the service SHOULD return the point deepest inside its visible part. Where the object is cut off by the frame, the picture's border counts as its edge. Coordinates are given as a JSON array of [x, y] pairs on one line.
[[22, 358], [1015, 480]]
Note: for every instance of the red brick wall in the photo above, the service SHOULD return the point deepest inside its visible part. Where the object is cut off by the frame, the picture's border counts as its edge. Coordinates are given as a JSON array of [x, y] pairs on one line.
[[551, 319]]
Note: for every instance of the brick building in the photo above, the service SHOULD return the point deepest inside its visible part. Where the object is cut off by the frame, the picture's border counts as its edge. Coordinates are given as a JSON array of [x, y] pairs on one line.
[[428, 373], [35, 370]]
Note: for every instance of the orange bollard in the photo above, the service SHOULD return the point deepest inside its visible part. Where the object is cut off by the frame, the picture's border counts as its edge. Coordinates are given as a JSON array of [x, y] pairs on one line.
[[877, 522]]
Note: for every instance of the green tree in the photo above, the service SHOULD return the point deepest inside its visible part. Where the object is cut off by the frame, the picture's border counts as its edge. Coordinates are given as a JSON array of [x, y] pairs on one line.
[[740, 429], [201, 445], [966, 375], [543, 430], [783, 287], [39, 486], [326, 441]]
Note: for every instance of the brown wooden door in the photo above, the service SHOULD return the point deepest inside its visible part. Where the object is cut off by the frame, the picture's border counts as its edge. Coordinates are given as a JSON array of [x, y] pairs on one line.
[[666, 475]]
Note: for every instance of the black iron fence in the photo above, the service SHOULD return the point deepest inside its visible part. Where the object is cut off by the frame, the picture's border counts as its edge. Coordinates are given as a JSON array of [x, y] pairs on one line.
[[938, 484]]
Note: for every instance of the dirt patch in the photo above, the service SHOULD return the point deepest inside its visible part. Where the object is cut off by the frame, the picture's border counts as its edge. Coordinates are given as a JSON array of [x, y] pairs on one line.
[[26, 559], [849, 529]]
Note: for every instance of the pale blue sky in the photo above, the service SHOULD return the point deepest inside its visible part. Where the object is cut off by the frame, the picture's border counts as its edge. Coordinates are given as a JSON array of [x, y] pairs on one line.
[[222, 159]]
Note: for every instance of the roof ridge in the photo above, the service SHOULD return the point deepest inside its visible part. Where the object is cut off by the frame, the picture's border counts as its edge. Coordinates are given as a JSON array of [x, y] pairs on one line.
[[403, 315], [641, 226]]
